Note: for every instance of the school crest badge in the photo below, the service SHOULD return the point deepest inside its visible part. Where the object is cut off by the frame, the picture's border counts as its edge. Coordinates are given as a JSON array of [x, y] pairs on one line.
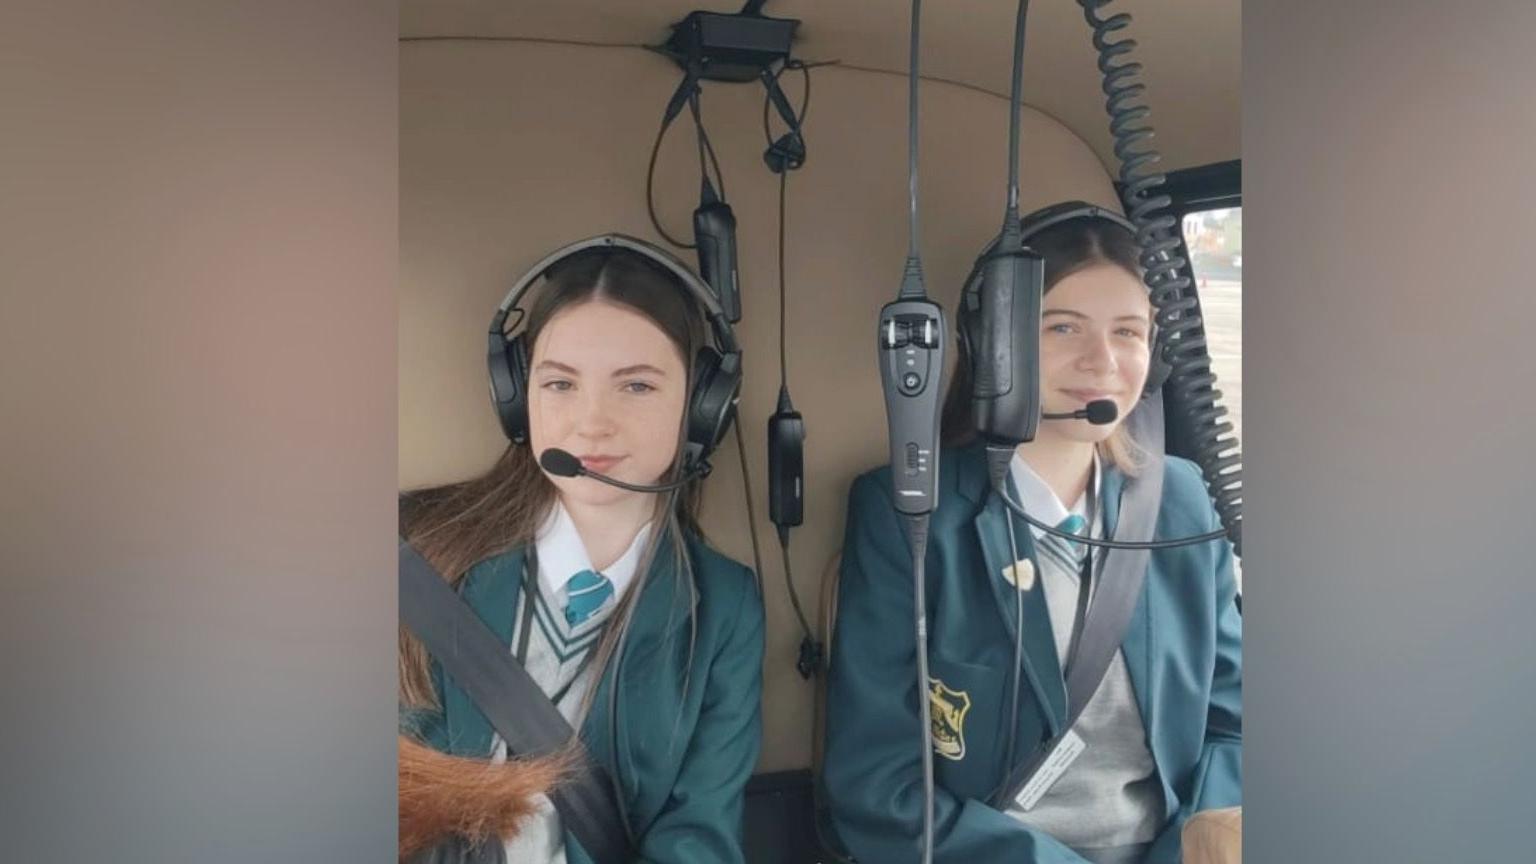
[[948, 709]]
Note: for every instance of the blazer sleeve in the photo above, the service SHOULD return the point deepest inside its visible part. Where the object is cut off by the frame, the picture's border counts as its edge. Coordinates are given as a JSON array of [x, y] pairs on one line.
[[873, 769], [702, 818], [1218, 777]]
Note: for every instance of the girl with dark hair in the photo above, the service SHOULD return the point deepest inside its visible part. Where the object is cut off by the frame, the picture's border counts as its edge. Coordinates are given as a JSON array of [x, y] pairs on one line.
[[648, 641], [1161, 735]]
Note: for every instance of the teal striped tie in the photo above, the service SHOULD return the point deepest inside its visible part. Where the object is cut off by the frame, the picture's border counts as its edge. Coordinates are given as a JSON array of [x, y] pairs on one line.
[[586, 591], [1068, 552], [1073, 524]]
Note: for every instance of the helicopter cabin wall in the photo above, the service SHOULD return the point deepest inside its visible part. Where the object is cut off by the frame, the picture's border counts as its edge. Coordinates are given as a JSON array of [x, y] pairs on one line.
[[511, 148]]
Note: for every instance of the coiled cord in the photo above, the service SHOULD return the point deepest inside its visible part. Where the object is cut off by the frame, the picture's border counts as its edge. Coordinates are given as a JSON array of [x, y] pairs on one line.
[[1181, 354]]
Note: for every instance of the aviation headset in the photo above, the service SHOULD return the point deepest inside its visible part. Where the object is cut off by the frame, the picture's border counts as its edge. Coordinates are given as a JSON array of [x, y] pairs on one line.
[[970, 319], [716, 370]]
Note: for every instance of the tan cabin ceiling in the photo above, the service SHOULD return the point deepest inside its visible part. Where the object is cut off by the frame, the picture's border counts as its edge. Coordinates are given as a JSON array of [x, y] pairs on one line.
[[1190, 50]]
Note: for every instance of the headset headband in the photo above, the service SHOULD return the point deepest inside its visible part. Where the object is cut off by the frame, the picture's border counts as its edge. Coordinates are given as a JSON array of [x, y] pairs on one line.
[[725, 337], [1033, 223], [1056, 214]]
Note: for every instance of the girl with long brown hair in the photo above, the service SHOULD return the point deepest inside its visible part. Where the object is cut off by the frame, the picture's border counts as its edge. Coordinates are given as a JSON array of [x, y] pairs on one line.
[[648, 641]]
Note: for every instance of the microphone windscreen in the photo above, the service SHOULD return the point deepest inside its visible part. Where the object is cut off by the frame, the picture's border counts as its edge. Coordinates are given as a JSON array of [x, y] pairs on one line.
[[562, 464], [1100, 412]]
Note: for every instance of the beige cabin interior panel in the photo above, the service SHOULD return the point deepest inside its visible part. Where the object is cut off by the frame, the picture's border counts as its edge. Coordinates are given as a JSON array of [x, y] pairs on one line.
[[1190, 51]]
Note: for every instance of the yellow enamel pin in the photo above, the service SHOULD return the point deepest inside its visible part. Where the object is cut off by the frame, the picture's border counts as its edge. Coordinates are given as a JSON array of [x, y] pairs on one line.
[[949, 708]]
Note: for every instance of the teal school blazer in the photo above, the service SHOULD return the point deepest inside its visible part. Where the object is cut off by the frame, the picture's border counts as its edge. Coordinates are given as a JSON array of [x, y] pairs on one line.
[[1182, 648]]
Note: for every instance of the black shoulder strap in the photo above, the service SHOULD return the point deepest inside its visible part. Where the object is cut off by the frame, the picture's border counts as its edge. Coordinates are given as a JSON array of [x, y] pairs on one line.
[[511, 700], [1120, 576]]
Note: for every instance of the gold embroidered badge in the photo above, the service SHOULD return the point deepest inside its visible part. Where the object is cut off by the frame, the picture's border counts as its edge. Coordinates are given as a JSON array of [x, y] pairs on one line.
[[948, 708]]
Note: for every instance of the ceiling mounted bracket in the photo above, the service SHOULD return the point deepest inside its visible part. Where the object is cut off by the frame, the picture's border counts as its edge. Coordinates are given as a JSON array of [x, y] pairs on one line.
[[737, 47]]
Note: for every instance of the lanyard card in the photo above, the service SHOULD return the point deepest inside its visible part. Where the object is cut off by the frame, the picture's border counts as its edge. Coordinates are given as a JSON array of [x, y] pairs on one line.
[[1064, 751]]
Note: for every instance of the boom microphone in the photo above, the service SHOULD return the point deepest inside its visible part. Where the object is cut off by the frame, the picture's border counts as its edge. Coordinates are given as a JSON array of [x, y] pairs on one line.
[[1099, 412], [562, 464]]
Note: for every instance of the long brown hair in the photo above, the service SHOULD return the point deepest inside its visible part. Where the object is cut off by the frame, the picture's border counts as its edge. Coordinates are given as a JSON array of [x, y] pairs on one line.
[[458, 525], [1067, 247]]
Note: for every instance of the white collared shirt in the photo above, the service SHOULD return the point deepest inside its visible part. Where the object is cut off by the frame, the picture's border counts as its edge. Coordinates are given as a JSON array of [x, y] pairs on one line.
[[562, 555], [1040, 502]]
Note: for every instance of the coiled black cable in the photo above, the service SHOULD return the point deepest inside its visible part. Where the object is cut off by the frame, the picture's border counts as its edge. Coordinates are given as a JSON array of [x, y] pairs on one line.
[[1181, 347]]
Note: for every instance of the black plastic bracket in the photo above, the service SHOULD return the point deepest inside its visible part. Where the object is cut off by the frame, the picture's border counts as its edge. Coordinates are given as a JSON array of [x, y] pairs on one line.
[[730, 46]]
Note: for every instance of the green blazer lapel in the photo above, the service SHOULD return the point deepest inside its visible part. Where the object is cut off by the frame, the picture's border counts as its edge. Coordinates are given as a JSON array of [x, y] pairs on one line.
[[491, 590], [1042, 667], [651, 672], [662, 610], [657, 621]]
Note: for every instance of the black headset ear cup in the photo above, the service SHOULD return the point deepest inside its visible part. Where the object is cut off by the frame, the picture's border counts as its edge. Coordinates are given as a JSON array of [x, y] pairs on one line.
[[509, 387], [712, 404]]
